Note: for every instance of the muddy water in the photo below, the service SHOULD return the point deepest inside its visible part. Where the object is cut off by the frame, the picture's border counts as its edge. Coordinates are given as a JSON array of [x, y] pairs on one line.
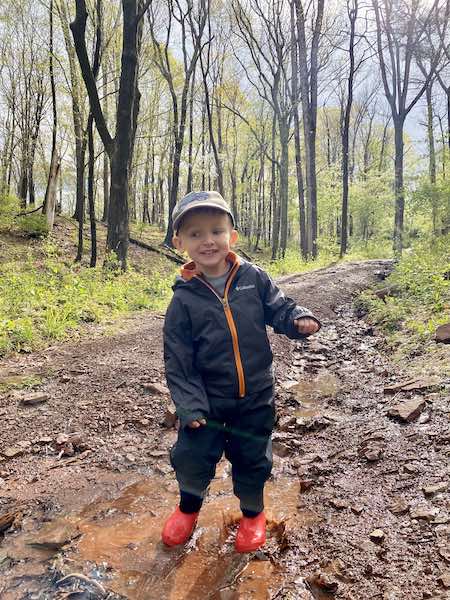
[[312, 394], [117, 543]]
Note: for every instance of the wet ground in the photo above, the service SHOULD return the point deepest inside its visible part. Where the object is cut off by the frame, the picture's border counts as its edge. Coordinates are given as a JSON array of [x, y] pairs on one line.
[[358, 504]]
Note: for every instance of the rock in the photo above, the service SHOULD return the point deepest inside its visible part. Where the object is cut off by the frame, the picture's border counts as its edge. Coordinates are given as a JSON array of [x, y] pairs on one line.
[[12, 452], [323, 581], [34, 398], [7, 519], [305, 484], [170, 416], [61, 439], [338, 503], [156, 388], [130, 458], [443, 334], [163, 469], [44, 440], [373, 454], [407, 410], [412, 468], [411, 385], [444, 579], [158, 453], [357, 508], [286, 422], [423, 512], [377, 536], [280, 449], [54, 536], [399, 506], [430, 490]]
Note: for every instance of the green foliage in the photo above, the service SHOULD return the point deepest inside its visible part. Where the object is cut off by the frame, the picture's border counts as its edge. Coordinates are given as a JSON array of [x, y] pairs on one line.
[[292, 263], [50, 301], [420, 292], [33, 226], [9, 208]]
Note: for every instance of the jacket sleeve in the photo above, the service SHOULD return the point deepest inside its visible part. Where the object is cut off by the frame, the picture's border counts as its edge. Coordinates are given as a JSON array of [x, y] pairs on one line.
[[184, 381], [280, 312]]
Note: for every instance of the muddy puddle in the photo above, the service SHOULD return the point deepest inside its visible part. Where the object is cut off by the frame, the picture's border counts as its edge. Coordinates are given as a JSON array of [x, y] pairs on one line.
[[312, 394], [116, 543]]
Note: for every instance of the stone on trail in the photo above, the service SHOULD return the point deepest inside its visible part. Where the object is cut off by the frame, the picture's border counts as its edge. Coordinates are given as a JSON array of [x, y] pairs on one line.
[[54, 536], [377, 536], [12, 452], [423, 512], [407, 410], [444, 579], [339, 504], [443, 334], [34, 398], [170, 416], [430, 490], [412, 385], [399, 506], [156, 389]]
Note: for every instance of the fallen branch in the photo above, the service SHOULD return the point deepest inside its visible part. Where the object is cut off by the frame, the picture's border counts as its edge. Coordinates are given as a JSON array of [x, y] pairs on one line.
[[175, 259], [245, 254], [24, 214]]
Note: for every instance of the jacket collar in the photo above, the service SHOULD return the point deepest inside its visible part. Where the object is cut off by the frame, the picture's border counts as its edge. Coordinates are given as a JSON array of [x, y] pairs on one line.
[[189, 270]]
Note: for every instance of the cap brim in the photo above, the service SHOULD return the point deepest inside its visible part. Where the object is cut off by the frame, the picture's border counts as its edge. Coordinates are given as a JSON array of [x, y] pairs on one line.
[[200, 204]]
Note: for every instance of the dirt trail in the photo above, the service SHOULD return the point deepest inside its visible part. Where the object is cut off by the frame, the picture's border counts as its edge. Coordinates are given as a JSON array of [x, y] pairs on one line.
[[86, 509]]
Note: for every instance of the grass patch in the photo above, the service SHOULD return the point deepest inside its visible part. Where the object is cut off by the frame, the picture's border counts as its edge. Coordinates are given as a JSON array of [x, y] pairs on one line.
[[46, 300], [418, 300], [18, 382]]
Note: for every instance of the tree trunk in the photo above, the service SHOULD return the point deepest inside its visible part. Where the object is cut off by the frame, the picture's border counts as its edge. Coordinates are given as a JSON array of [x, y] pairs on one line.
[[398, 187], [432, 155], [146, 190], [119, 148], [191, 137], [273, 196], [106, 181], [284, 184], [352, 15], [298, 156], [50, 193], [92, 219]]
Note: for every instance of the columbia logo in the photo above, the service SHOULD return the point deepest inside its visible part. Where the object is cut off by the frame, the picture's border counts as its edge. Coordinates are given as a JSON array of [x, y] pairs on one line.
[[240, 288]]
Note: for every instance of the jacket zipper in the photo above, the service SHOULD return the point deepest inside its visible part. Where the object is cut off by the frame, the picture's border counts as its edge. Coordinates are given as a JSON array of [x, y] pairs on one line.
[[231, 326]]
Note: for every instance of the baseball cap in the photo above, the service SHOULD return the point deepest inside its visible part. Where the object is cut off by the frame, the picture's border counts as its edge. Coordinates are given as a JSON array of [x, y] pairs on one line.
[[193, 200]]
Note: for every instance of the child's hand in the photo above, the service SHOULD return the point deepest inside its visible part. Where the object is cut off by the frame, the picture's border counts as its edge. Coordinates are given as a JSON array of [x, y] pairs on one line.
[[196, 424], [306, 325]]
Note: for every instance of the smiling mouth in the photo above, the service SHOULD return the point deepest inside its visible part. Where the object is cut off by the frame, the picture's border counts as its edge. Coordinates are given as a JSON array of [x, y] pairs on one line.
[[208, 252]]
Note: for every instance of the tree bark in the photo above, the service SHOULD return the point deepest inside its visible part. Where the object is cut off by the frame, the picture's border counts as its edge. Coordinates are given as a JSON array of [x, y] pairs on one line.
[[120, 147], [352, 15], [50, 193]]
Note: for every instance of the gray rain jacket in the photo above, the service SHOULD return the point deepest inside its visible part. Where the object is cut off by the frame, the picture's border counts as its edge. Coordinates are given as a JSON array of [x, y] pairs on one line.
[[218, 347]]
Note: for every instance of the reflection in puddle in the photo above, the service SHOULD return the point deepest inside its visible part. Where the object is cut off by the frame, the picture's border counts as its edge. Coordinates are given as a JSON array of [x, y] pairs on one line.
[[311, 394], [118, 542]]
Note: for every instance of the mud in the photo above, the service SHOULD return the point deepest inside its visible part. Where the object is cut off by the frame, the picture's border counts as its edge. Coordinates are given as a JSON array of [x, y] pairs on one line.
[[87, 523]]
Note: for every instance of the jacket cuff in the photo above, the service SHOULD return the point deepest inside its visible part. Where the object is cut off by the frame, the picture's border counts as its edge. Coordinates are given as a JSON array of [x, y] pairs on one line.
[[187, 418]]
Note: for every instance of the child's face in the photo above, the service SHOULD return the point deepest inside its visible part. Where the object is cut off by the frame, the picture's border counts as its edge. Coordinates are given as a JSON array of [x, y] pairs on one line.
[[207, 238]]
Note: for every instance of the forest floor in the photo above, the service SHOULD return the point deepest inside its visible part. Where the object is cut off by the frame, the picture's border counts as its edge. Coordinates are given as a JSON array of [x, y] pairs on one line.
[[358, 503]]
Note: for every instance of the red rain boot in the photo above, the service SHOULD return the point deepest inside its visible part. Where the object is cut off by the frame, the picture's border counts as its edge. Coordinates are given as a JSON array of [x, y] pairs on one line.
[[251, 534], [179, 527]]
